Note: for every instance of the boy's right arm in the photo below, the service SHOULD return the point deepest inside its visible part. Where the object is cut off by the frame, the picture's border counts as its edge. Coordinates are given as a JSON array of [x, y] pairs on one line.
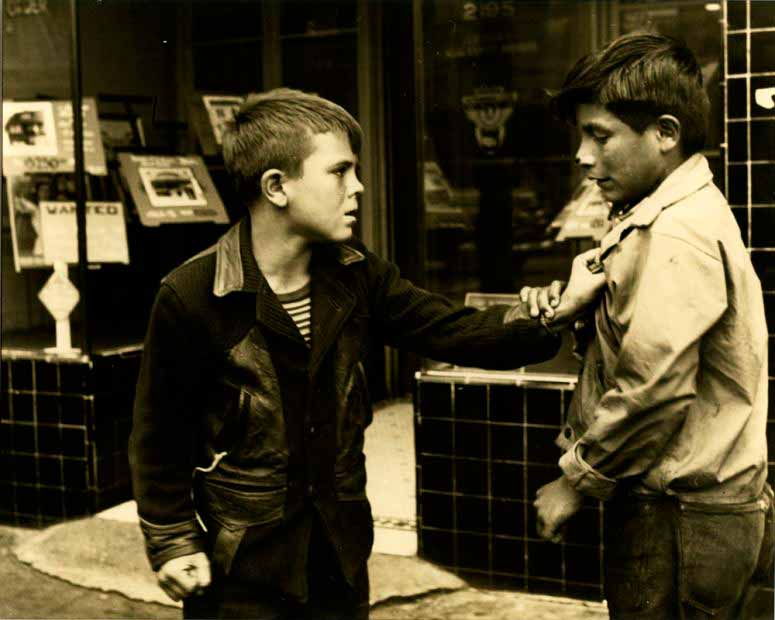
[[161, 444]]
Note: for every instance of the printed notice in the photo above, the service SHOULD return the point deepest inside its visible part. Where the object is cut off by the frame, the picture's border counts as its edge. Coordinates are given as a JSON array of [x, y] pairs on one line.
[[106, 240]]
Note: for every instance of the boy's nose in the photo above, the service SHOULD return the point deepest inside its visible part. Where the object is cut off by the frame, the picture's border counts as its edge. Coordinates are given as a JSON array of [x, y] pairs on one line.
[[584, 157], [356, 187]]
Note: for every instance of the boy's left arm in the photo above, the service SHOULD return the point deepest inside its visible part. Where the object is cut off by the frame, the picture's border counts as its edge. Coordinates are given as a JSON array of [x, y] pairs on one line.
[[677, 296]]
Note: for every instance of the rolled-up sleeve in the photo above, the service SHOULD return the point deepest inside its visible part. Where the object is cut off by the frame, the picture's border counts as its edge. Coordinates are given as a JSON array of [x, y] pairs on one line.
[[677, 293]]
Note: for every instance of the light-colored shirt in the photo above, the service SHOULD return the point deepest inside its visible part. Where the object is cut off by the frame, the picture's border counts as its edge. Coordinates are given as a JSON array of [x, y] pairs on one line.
[[298, 304], [673, 393]]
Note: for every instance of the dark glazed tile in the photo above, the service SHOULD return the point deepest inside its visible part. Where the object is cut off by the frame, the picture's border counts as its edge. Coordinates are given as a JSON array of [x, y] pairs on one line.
[[763, 50], [508, 518], [435, 473], [763, 184], [737, 142], [766, 107], [737, 190], [471, 439], [741, 216], [737, 96], [470, 402], [437, 510], [438, 547], [472, 514], [762, 140], [541, 447], [582, 564], [506, 403], [508, 555], [506, 442], [435, 436], [473, 552], [543, 406], [736, 50], [737, 15], [435, 400], [764, 264], [544, 559], [507, 481], [471, 477]]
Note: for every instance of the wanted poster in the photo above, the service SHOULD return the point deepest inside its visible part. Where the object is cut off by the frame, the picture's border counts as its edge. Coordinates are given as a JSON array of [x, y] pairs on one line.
[[24, 194], [106, 240], [171, 189]]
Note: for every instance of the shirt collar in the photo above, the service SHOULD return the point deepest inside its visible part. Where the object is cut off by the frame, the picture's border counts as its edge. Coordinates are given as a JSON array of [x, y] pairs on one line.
[[236, 268], [691, 176]]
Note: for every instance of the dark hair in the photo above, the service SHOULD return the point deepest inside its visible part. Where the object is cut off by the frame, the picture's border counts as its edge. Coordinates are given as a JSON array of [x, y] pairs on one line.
[[274, 130], [639, 77]]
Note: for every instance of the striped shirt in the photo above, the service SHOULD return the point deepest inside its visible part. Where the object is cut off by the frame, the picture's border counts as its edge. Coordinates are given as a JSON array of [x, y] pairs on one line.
[[298, 304]]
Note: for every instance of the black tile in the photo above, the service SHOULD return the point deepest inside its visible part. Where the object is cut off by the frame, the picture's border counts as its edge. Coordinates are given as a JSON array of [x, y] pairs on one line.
[[582, 564], [541, 447], [74, 378], [435, 400], [508, 518], [46, 376], [737, 97], [76, 473], [74, 410], [49, 440], [763, 227], [7, 501], [736, 50], [4, 365], [537, 585], [581, 591], [544, 559], [737, 142], [763, 140], [435, 436], [21, 375], [438, 547], [471, 439], [737, 190], [5, 438], [737, 15], [27, 499], [769, 312], [23, 438], [771, 437], [538, 476], [475, 578], [764, 264], [506, 442], [509, 582], [437, 510], [763, 184], [508, 555], [49, 471], [74, 442], [77, 503], [741, 216], [472, 514], [22, 407], [48, 408], [762, 108], [5, 406], [51, 503], [470, 402], [26, 469], [507, 481], [543, 406], [506, 403], [762, 15], [473, 552], [471, 477], [435, 473]]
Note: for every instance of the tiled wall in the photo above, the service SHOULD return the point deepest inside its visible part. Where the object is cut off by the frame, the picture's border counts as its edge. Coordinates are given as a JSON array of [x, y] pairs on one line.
[[482, 452], [64, 428]]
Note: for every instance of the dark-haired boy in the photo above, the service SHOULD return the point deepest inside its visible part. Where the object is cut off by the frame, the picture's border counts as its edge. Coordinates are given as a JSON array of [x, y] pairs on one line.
[[667, 424], [253, 377]]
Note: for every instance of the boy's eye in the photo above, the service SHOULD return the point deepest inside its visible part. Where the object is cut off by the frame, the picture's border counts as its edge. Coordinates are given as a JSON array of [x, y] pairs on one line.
[[600, 138], [340, 172]]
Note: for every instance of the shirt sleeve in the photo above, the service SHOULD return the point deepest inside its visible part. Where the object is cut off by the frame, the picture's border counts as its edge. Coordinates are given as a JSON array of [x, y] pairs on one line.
[[161, 442], [676, 294], [412, 318]]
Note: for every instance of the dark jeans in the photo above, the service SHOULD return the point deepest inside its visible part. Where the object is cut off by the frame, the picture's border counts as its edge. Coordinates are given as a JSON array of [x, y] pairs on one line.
[[330, 596], [666, 559]]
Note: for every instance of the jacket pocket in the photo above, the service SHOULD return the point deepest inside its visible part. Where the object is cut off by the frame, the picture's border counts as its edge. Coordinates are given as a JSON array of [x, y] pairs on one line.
[[718, 549]]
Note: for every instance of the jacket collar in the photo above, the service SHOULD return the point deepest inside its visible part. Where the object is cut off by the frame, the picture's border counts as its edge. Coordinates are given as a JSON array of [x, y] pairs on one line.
[[236, 268], [691, 176]]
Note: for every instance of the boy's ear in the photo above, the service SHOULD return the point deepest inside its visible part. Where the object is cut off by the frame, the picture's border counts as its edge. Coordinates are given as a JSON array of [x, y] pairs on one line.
[[272, 187], [668, 132]]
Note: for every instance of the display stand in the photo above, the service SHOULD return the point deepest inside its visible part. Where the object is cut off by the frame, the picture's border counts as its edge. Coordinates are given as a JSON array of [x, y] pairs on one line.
[[59, 296]]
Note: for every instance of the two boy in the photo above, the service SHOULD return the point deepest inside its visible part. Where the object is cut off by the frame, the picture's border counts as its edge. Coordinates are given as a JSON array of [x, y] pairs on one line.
[[247, 444]]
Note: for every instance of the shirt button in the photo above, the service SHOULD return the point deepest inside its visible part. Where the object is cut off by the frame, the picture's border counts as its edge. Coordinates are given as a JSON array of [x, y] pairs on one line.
[[567, 432]]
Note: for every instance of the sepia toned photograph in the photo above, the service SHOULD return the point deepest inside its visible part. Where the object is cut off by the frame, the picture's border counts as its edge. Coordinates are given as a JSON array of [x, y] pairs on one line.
[[172, 187]]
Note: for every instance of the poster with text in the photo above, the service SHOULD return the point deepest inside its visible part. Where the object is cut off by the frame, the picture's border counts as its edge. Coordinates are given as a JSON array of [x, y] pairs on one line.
[[38, 137], [106, 240], [220, 110], [24, 194], [171, 189]]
